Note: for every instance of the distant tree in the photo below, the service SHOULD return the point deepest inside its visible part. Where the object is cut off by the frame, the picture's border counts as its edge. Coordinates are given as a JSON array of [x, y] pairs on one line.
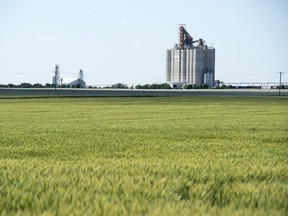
[[187, 86], [48, 85], [25, 85], [64, 86], [138, 86], [154, 86], [10, 85], [37, 85], [166, 86], [119, 86], [195, 86], [204, 86]]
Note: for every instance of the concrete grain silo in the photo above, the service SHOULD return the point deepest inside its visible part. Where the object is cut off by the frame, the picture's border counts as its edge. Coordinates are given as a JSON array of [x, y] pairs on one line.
[[190, 62]]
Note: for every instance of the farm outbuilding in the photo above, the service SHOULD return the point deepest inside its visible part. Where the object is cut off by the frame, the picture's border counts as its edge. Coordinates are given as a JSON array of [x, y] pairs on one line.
[[78, 83]]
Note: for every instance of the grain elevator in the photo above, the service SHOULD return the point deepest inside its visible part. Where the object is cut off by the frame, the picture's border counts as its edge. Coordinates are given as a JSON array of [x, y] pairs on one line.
[[190, 61]]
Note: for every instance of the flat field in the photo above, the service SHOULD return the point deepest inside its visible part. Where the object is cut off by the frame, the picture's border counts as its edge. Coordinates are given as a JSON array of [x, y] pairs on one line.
[[144, 156]]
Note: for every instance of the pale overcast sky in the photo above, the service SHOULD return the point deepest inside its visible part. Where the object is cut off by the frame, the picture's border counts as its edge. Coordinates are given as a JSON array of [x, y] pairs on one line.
[[125, 40]]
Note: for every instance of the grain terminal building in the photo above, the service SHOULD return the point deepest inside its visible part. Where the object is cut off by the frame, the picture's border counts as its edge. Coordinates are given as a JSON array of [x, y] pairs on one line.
[[190, 62]]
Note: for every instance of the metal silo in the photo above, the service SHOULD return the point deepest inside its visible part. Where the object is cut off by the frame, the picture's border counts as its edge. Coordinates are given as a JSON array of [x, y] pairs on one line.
[[209, 66], [198, 65], [168, 66], [175, 72], [190, 62], [183, 61]]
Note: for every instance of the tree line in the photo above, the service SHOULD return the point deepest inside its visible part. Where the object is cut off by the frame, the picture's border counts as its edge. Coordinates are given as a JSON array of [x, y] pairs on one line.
[[154, 86], [37, 85]]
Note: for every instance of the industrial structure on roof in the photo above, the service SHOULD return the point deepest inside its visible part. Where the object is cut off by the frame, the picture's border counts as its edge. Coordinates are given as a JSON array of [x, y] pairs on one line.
[[190, 62]]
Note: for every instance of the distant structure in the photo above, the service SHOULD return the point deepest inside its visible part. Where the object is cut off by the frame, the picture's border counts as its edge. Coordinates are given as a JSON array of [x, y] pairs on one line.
[[79, 82], [190, 62], [56, 77], [119, 85]]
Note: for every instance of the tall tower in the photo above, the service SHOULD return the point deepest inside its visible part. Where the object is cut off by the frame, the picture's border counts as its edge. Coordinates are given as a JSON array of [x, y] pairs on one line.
[[56, 77], [190, 62]]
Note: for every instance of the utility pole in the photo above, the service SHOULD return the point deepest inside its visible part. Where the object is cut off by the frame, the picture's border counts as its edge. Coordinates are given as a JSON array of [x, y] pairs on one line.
[[55, 84], [280, 73]]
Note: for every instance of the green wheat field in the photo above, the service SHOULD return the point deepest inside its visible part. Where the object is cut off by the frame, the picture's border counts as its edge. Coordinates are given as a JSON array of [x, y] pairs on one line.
[[144, 156]]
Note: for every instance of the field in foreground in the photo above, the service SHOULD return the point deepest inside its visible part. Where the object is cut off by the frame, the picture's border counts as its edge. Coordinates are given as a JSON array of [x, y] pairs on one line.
[[144, 156]]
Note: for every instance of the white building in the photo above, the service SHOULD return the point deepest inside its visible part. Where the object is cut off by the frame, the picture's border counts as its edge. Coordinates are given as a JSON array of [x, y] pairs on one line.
[[79, 82]]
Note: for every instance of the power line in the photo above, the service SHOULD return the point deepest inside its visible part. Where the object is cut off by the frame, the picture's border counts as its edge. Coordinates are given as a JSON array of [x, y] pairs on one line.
[[99, 75], [24, 73], [245, 75], [111, 75]]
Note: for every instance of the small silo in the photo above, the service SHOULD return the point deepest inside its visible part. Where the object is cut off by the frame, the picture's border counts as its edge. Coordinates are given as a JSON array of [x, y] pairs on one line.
[[168, 65]]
